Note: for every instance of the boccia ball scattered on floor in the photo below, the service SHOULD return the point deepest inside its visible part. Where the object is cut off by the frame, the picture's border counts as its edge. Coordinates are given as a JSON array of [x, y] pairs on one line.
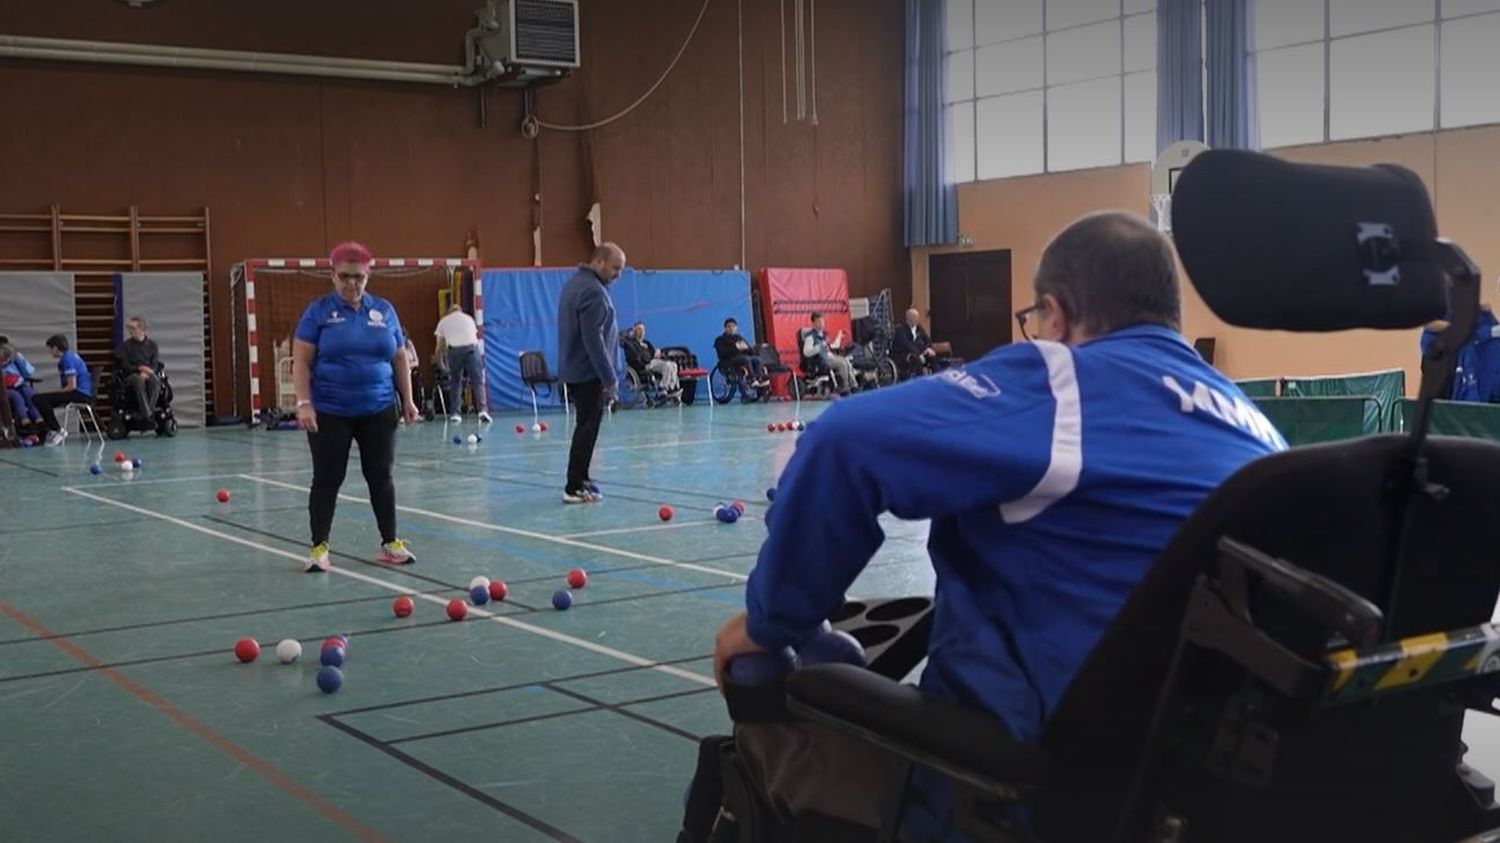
[[119, 455], [577, 578], [472, 439], [497, 590], [665, 513], [771, 494], [457, 440], [479, 595], [402, 606], [222, 495], [457, 611], [542, 426], [562, 599], [95, 469], [332, 657], [479, 582], [330, 679], [246, 649], [520, 428], [739, 505], [289, 650]]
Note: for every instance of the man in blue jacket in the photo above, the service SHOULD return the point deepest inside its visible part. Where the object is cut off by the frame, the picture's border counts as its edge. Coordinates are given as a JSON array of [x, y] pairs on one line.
[[1054, 471], [586, 339]]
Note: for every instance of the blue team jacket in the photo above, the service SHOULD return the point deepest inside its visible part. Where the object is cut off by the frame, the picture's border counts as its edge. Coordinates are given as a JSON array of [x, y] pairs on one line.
[[1053, 476]]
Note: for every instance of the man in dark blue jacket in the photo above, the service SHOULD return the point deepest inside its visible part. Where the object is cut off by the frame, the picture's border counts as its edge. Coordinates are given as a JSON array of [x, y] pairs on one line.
[[1053, 472], [586, 338]]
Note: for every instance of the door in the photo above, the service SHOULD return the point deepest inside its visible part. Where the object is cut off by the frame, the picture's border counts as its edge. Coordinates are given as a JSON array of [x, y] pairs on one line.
[[969, 294]]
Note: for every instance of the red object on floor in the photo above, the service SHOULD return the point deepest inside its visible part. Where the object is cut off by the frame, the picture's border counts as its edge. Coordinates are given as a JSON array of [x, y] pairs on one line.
[[577, 578], [457, 611]]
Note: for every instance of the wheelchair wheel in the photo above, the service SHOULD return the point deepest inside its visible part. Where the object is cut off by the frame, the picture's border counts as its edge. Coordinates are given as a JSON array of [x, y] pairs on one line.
[[720, 386], [116, 429], [885, 372], [168, 428], [630, 392]]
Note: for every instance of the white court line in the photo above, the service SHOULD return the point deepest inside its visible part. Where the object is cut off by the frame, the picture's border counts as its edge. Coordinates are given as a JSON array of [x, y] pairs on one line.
[[655, 445], [516, 531], [124, 477], [504, 620], [652, 528]]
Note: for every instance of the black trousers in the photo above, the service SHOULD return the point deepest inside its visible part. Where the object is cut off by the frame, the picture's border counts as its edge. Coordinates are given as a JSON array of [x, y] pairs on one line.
[[588, 400], [45, 403], [376, 435]]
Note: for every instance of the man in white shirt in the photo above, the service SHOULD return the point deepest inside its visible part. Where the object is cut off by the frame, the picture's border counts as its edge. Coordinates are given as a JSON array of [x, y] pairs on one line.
[[458, 338]]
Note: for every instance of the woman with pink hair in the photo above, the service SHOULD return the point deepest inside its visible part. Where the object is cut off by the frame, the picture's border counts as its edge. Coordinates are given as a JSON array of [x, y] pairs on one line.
[[353, 384]]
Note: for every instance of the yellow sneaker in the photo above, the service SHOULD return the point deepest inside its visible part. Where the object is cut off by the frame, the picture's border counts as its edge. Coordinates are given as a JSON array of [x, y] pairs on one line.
[[395, 552], [317, 559]]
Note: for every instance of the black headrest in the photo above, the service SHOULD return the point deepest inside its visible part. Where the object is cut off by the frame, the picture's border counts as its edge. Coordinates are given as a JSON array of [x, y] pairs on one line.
[[1301, 247]]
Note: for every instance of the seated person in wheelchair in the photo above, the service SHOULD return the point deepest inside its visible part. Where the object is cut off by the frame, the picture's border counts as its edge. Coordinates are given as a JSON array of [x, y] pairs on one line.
[[814, 345], [1054, 471], [76, 385], [646, 360], [736, 355], [18, 393], [912, 349], [140, 363]]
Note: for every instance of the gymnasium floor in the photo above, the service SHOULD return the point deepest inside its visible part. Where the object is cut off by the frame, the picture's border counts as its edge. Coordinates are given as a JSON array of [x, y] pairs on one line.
[[125, 716]]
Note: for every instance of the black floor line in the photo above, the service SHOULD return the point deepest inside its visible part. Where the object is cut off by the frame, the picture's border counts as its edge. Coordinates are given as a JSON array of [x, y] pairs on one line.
[[451, 781], [477, 692], [247, 613], [89, 526], [553, 715], [633, 715], [26, 467]]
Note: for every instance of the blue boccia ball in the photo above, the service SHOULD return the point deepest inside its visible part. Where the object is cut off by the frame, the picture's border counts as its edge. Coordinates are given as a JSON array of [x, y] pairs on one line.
[[93, 469], [562, 599], [771, 494], [458, 440], [480, 595], [330, 679], [755, 669], [333, 657]]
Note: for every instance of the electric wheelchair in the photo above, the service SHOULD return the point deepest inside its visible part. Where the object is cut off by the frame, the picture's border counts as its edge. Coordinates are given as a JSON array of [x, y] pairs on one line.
[[125, 416], [1297, 663]]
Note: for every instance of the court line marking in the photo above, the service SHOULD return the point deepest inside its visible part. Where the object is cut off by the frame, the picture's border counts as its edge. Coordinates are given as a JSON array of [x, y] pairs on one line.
[[621, 531], [504, 620], [234, 751], [611, 448], [517, 531]]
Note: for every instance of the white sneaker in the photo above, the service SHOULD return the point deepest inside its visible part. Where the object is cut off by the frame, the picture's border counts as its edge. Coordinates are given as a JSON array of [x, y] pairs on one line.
[[317, 559], [55, 438], [484, 418]]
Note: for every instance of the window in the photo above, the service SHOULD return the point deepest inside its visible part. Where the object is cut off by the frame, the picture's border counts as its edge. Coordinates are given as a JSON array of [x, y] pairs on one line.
[[1330, 70], [1038, 86]]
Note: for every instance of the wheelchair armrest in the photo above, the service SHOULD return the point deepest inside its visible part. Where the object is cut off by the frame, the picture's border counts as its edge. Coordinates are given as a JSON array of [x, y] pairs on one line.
[[962, 743], [1314, 596]]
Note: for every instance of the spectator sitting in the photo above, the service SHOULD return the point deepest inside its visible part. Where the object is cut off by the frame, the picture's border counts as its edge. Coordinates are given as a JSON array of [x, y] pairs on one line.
[[76, 386], [646, 358], [18, 393], [911, 348], [815, 344], [734, 353], [139, 362]]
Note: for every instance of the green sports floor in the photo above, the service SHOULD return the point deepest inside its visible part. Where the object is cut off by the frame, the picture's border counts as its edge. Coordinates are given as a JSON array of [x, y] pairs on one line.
[[125, 717]]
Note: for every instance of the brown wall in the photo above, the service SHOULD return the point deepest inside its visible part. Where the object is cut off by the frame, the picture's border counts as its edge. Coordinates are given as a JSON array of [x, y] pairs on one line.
[[290, 166], [1022, 215]]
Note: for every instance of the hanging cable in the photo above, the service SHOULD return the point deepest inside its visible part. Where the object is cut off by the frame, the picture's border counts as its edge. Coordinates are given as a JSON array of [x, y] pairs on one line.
[[530, 118], [812, 26]]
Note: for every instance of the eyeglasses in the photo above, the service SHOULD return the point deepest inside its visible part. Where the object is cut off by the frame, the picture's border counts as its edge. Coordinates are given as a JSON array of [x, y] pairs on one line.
[[351, 276], [1024, 315]]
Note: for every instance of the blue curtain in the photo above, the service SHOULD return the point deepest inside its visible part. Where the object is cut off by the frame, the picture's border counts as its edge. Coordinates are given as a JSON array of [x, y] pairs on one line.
[[931, 202], [1233, 122], [1179, 72]]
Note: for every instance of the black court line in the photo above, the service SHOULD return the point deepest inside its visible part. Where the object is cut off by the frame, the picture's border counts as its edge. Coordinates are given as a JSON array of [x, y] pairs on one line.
[[673, 592], [30, 468], [552, 487], [403, 570], [221, 616], [553, 715], [477, 692], [457, 784], [199, 654], [89, 526], [635, 715]]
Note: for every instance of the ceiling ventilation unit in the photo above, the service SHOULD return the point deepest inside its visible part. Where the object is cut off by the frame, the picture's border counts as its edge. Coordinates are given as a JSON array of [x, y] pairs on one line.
[[525, 41]]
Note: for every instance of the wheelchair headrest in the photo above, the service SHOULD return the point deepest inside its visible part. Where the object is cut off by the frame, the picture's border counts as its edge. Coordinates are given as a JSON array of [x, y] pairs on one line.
[[1300, 247]]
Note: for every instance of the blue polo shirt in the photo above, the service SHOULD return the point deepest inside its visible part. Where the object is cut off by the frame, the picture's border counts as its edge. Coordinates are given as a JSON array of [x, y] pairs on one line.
[[71, 364], [351, 371]]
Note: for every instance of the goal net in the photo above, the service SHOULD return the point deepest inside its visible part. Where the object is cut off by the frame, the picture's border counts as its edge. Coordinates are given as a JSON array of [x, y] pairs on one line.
[[277, 290]]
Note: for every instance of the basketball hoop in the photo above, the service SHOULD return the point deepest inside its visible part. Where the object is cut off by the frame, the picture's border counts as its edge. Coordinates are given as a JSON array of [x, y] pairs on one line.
[[1164, 174]]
